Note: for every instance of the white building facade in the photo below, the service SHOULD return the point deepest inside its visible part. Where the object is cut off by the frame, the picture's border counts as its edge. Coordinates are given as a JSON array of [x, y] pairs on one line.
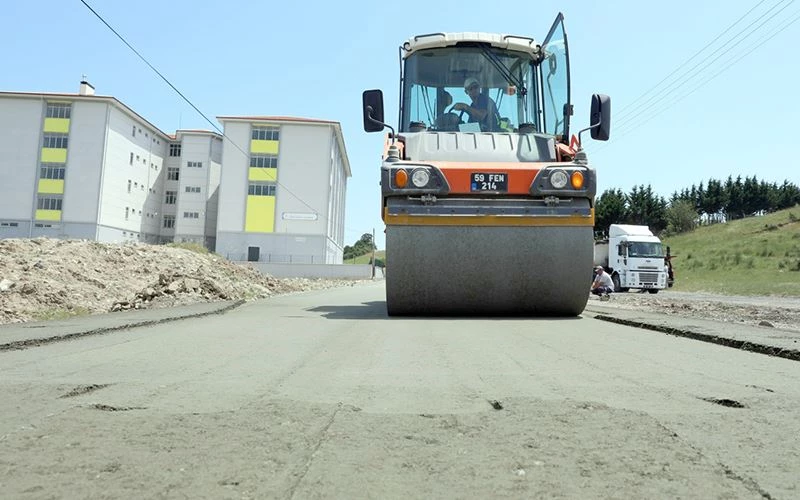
[[282, 191], [87, 166]]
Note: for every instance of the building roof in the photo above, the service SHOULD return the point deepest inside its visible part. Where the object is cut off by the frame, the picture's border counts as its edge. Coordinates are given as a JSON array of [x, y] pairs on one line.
[[293, 119], [337, 127], [106, 98], [81, 97]]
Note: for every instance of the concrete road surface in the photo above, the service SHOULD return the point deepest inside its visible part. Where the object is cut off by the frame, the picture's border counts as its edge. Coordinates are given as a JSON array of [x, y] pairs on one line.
[[321, 395]]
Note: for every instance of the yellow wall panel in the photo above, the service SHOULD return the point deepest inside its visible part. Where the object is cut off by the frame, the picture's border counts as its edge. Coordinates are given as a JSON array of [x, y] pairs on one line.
[[266, 147], [54, 155], [262, 174], [260, 214], [48, 215], [56, 125], [51, 186]]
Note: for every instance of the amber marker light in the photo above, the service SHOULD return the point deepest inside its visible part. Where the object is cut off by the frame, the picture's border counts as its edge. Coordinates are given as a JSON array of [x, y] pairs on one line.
[[400, 178], [577, 180]]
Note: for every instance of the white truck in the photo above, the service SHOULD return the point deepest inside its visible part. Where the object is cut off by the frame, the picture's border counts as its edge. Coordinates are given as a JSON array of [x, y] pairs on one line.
[[634, 257]]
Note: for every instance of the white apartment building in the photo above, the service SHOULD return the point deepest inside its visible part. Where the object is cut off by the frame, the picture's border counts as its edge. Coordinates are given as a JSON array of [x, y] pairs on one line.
[[282, 192], [87, 166]]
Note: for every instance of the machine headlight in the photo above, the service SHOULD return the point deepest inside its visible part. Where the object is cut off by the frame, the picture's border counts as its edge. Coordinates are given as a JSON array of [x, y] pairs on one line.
[[420, 177], [559, 179]]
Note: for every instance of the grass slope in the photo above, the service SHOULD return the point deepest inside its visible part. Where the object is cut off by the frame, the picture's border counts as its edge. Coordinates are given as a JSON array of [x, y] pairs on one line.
[[364, 259], [752, 256]]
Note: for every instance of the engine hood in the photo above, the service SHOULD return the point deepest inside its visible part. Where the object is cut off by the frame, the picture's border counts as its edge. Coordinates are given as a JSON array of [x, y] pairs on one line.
[[479, 147]]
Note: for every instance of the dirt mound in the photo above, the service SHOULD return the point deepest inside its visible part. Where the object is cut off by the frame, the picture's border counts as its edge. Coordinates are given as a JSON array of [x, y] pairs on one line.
[[50, 278]]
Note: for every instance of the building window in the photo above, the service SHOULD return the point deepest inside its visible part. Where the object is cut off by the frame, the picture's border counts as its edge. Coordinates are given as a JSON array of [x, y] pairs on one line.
[[174, 149], [173, 173], [261, 189], [48, 203], [129, 185], [191, 215], [264, 161], [58, 110], [9, 224], [127, 212], [266, 133], [194, 164], [51, 171], [171, 197], [133, 132], [169, 221], [192, 189], [54, 140]]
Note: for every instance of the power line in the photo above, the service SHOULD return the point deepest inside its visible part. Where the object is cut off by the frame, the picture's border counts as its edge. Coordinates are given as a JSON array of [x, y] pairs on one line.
[[662, 93], [622, 110], [283, 187], [704, 82], [629, 125]]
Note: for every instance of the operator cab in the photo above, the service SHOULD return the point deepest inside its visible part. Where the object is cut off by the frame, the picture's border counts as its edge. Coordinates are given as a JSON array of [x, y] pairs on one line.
[[483, 82]]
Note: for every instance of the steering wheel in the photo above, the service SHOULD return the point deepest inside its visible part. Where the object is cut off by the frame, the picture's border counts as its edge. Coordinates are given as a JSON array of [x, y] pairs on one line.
[[460, 115], [449, 120]]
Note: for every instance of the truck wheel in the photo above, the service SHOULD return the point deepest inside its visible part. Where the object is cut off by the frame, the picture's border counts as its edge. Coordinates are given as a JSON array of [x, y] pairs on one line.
[[653, 291], [615, 280]]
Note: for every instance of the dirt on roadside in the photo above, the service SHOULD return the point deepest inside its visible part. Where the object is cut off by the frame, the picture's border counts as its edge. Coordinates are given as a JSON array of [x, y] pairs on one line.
[[777, 312], [45, 278]]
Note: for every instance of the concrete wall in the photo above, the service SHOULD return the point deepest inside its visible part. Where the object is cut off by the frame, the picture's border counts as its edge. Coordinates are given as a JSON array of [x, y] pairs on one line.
[[304, 166], [195, 148], [84, 170], [233, 182], [132, 159], [283, 248], [20, 142]]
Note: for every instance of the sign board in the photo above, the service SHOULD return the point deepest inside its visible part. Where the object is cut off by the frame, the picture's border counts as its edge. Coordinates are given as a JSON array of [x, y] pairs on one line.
[[299, 216]]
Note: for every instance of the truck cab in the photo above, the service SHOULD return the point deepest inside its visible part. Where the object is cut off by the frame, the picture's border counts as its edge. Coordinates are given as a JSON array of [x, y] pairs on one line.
[[634, 257]]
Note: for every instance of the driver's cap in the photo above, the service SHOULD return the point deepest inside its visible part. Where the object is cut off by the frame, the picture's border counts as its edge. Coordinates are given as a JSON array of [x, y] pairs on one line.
[[469, 82]]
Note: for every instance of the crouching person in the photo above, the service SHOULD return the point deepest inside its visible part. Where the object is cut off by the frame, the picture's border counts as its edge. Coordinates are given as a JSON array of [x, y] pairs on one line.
[[602, 284]]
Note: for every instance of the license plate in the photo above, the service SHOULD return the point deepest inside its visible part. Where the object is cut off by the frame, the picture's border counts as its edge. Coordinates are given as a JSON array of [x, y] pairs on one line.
[[489, 182]]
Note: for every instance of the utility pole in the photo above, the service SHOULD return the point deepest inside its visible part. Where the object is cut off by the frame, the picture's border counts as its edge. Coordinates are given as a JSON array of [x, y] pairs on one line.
[[373, 253]]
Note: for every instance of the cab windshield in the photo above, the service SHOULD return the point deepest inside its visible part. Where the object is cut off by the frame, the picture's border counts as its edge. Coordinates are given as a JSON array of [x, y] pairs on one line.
[[643, 249], [439, 83]]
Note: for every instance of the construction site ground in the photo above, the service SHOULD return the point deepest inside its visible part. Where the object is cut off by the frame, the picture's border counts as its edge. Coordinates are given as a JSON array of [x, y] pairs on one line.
[[52, 290]]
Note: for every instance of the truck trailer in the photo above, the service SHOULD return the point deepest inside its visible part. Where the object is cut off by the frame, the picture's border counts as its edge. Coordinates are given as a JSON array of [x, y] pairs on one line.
[[487, 199], [634, 257]]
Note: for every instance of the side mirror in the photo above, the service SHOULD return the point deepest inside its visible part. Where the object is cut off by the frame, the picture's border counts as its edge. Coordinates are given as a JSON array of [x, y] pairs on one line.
[[600, 119], [372, 101]]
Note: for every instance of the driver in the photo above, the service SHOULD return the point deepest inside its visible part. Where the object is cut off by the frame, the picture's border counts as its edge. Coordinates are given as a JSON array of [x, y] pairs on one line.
[[483, 110]]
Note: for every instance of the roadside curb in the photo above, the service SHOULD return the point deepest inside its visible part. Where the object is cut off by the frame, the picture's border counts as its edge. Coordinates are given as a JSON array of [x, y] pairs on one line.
[[744, 345], [20, 345]]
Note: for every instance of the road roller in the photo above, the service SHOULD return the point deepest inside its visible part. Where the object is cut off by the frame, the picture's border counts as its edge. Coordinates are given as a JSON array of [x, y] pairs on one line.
[[487, 199]]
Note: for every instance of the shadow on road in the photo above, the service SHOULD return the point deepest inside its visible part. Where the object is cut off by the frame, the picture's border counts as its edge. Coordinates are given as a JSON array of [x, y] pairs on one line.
[[377, 310]]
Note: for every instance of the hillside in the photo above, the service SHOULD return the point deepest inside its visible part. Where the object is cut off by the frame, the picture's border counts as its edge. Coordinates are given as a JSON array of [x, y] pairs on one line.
[[752, 256]]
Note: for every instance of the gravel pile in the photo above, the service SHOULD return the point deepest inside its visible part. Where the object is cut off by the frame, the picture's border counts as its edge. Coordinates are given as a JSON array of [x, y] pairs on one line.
[[51, 278]]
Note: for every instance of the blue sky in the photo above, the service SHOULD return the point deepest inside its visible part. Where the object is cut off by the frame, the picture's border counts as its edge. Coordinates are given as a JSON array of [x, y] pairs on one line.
[[315, 58]]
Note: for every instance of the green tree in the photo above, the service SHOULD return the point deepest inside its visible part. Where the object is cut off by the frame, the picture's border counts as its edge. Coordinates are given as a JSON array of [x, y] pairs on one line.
[[681, 217], [646, 208], [361, 247], [611, 208]]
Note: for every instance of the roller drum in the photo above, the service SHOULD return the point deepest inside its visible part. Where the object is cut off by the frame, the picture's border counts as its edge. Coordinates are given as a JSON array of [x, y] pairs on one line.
[[469, 270]]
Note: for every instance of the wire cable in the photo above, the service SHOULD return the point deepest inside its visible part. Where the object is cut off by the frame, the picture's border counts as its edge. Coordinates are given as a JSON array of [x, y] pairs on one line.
[[246, 154], [667, 91], [630, 104], [728, 65]]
